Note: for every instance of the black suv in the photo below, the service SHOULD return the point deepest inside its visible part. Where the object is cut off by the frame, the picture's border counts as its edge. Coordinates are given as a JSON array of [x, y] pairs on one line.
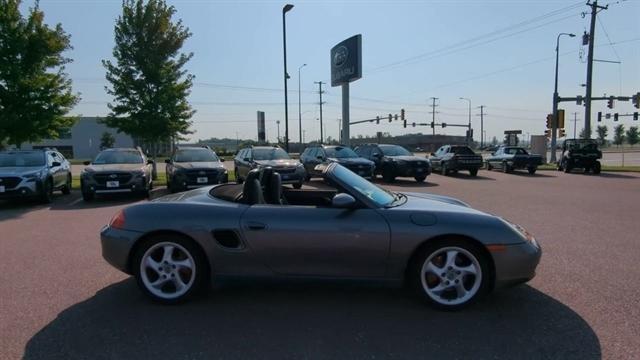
[[394, 160], [580, 153], [33, 173], [120, 170], [255, 157], [454, 158], [193, 167], [324, 154]]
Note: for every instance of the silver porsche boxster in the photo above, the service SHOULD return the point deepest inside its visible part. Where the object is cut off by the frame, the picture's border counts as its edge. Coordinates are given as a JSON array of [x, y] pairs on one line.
[[343, 228]]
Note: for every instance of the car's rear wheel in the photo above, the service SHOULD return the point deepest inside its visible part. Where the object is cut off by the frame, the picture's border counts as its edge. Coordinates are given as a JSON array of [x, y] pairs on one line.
[[170, 269], [238, 178], [473, 172], [420, 178], [443, 169], [489, 167], [531, 170], [66, 189], [505, 167], [387, 175], [451, 274], [567, 167], [597, 168], [297, 185]]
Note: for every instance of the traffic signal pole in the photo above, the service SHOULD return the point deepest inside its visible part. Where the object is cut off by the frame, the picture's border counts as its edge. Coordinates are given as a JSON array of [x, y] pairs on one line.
[[592, 30]]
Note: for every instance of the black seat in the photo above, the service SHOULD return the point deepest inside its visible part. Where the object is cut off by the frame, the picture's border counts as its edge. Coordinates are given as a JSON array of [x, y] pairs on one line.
[[273, 192], [252, 189]]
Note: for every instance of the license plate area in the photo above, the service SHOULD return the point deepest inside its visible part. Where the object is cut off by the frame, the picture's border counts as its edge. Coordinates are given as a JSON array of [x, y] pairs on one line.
[[2, 189], [202, 180], [113, 184]]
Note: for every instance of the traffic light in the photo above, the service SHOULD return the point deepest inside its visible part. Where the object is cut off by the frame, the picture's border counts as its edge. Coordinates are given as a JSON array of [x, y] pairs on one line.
[[635, 115], [599, 116], [444, 125], [404, 123], [615, 117], [377, 120], [547, 133], [432, 124], [636, 100], [579, 100], [395, 117], [560, 123], [610, 102], [390, 117], [402, 114], [549, 120], [414, 124], [561, 133]]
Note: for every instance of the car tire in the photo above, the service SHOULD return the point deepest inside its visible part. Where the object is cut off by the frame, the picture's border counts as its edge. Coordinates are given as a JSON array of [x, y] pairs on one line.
[[450, 274], [597, 168], [297, 185], [532, 170], [46, 196], [443, 169], [66, 189], [473, 172], [169, 268], [420, 178], [489, 167], [505, 168], [567, 167], [387, 175], [238, 178]]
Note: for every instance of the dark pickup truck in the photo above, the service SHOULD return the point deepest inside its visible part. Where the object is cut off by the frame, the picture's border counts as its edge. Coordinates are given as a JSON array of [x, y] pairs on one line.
[[452, 158], [580, 153], [509, 158]]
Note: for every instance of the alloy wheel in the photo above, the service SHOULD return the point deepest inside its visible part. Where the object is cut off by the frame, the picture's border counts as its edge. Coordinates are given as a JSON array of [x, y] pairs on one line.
[[167, 270], [451, 276]]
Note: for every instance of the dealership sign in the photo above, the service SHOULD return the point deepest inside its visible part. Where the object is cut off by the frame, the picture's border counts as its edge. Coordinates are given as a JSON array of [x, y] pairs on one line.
[[346, 61]]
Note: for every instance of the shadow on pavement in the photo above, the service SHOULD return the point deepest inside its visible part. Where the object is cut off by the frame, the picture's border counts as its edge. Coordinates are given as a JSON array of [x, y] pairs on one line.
[[538, 174], [319, 321], [466, 176], [15, 208], [407, 182], [616, 175]]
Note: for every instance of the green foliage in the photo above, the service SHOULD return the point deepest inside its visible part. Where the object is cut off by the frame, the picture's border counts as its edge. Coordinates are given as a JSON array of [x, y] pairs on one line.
[[107, 140], [602, 131], [632, 135], [584, 134], [35, 92], [618, 134], [148, 81]]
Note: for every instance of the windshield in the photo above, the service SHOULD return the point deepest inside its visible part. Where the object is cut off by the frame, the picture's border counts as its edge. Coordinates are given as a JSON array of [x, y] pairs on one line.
[[515, 151], [270, 154], [462, 150], [379, 196], [340, 152], [21, 159], [118, 157], [394, 150], [587, 144], [196, 155]]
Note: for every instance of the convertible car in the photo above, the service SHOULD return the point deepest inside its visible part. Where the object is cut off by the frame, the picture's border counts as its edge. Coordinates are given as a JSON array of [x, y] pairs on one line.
[[346, 228]]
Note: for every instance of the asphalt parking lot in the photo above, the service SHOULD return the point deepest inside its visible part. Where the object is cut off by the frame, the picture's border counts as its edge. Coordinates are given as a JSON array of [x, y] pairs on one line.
[[60, 300]]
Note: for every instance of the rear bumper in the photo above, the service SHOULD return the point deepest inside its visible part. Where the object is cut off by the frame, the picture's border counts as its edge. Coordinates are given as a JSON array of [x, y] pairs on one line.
[[117, 245], [516, 264], [525, 163]]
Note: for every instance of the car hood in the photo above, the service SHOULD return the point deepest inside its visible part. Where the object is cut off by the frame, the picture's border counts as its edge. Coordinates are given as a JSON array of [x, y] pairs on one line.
[[408, 158], [18, 170], [278, 163], [199, 165], [351, 161], [434, 197], [115, 167]]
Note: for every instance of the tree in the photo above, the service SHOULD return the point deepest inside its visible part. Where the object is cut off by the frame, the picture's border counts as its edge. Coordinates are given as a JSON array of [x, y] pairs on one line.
[[618, 135], [602, 131], [35, 91], [584, 134], [107, 140], [632, 135], [494, 141], [148, 82]]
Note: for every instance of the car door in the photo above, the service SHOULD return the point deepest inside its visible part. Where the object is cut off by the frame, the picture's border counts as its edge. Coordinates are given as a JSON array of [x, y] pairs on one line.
[[66, 168], [242, 164], [316, 241], [55, 169], [376, 156], [317, 157], [436, 159], [496, 159]]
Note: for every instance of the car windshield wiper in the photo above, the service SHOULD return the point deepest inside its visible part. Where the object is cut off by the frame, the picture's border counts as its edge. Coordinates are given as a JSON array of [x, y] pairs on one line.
[[397, 197]]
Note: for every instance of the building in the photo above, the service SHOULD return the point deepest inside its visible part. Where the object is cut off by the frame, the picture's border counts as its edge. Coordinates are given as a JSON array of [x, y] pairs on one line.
[[82, 141]]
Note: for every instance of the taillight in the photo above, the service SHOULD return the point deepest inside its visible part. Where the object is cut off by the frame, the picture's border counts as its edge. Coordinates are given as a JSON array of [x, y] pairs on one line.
[[117, 222]]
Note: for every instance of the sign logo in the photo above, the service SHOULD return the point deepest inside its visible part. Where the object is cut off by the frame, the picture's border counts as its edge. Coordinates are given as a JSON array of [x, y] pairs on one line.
[[202, 173], [113, 176], [340, 56]]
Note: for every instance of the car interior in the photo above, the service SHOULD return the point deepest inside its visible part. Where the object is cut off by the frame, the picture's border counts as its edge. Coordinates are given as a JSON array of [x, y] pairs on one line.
[[264, 186]]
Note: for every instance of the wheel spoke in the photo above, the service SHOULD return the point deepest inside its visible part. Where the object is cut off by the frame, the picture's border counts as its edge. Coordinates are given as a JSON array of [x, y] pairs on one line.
[[150, 263], [187, 264], [441, 287], [177, 281], [158, 283], [168, 253], [460, 290], [432, 268], [451, 258], [468, 270]]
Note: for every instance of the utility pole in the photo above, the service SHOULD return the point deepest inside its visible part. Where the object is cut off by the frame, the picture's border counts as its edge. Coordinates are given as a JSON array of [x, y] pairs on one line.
[[481, 125], [592, 32], [433, 114], [575, 120], [278, 123], [320, 92]]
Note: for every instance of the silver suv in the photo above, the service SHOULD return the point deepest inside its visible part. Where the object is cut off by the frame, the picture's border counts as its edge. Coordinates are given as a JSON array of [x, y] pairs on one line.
[[33, 174], [119, 170]]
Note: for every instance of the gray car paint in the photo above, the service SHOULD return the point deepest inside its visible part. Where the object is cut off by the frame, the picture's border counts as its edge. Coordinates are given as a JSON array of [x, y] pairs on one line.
[[371, 242]]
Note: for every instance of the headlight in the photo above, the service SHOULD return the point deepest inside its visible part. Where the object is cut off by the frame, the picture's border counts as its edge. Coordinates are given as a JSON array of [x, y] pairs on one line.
[[527, 236], [137, 173], [35, 175]]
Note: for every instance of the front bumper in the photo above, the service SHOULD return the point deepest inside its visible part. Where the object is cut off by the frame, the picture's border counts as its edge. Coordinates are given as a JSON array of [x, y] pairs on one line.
[[516, 264], [412, 170], [291, 177], [362, 170], [193, 180], [117, 245], [134, 184], [462, 165], [27, 188]]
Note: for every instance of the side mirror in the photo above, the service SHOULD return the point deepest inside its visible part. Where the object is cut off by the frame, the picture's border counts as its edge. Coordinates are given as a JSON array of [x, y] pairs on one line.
[[246, 159], [150, 162], [87, 162], [377, 155], [168, 161], [221, 160], [343, 201], [55, 164], [320, 157], [433, 154]]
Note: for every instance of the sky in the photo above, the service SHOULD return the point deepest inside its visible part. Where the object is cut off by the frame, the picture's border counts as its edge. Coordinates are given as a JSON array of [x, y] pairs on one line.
[[500, 54]]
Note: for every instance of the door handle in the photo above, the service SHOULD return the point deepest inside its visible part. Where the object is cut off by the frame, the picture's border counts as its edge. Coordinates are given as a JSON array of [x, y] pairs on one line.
[[253, 225]]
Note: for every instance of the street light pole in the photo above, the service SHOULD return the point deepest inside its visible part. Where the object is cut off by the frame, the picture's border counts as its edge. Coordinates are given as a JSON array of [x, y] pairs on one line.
[[554, 122], [286, 76], [278, 123], [469, 132], [300, 107]]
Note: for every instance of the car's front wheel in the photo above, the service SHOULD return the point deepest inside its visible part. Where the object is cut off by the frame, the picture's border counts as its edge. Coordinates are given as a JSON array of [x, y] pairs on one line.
[[170, 269], [473, 172], [47, 192], [66, 189], [532, 170], [597, 168], [451, 274], [420, 178]]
